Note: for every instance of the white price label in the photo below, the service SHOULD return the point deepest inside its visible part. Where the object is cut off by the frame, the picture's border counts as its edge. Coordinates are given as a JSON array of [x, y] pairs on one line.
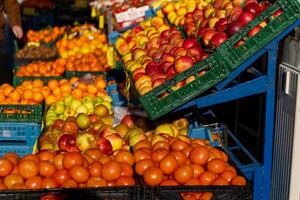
[[131, 14]]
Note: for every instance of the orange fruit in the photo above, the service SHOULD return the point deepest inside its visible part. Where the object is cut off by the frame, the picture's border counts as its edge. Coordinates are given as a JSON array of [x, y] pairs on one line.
[[46, 92], [37, 83], [62, 81], [77, 93], [74, 80], [38, 96], [82, 86], [100, 83], [27, 94], [92, 89], [2, 97], [65, 88], [56, 92], [15, 96], [52, 84], [7, 90], [50, 100]]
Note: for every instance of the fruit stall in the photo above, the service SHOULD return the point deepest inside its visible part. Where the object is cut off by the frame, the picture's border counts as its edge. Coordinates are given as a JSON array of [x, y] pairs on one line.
[[144, 100]]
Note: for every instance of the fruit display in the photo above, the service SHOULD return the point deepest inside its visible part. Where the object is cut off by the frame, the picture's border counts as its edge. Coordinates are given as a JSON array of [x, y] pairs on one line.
[[92, 62], [36, 52], [163, 55], [215, 21], [48, 169], [72, 107], [46, 35], [42, 69], [28, 93], [82, 43], [92, 86]]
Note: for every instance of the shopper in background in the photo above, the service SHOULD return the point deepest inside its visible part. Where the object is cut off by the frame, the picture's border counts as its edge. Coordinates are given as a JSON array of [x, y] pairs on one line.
[[10, 9]]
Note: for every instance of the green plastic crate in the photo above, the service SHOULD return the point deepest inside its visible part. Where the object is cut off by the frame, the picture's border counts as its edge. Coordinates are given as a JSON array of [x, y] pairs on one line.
[[236, 56], [70, 74], [16, 114], [18, 80], [156, 106]]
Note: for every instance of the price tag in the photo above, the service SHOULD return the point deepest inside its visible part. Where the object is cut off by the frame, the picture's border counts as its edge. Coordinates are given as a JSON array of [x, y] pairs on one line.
[[131, 14]]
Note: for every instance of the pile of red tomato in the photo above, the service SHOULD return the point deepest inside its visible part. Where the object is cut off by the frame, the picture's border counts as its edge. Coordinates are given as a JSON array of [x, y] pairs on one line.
[[178, 162], [66, 170]]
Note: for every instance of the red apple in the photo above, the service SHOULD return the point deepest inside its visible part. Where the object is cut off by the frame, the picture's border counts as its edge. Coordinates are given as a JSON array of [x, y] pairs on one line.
[[212, 22], [238, 3], [255, 30], [137, 76], [195, 53], [254, 8], [234, 27], [218, 39], [245, 18], [165, 65], [157, 55], [70, 127], [197, 14], [95, 128], [152, 50], [165, 33], [167, 58], [158, 82], [190, 42], [129, 39], [172, 51], [94, 118], [250, 1], [204, 23], [163, 41], [218, 4], [137, 29], [67, 142], [221, 13], [264, 5], [168, 48], [152, 67], [235, 13], [58, 124], [207, 36], [138, 70], [104, 146], [201, 32], [156, 76], [180, 51], [221, 25], [183, 63], [128, 121], [106, 132], [171, 72], [153, 43]]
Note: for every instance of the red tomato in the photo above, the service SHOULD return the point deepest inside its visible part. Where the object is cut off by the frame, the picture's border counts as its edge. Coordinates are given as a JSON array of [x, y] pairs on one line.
[[199, 155], [126, 170], [216, 166], [207, 177], [71, 159], [183, 174], [61, 176], [238, 181], [125, 181], [34, 182], [125, 157], [180, 157], [168, 164], [220, 181], [141, 155], [111, 170], [79, 174], [198, 169], [153, 176], [142, 165], [159, 154], [96, 182], [95, 169], [6, 167]]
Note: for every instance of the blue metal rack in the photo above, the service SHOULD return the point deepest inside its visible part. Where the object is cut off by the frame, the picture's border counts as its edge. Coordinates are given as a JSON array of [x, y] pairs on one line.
[[260, 173]]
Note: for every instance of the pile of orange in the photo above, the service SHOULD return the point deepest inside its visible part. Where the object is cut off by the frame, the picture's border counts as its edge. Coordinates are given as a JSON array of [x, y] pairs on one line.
[[47, 169], [78, 89], [189, 162], [28, 93], [46, 35], [86, 43], [43, 69], [95, 62]]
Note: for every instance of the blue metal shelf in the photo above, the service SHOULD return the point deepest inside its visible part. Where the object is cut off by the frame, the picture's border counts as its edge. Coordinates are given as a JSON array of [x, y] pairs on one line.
[[263, 83]]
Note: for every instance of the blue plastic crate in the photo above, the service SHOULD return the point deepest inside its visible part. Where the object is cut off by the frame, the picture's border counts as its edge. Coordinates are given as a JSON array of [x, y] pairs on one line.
[[21, 132], [208, 133], [17, 147]]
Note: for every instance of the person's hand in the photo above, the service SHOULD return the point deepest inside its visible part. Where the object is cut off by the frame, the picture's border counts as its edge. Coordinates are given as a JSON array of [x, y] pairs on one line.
[[18, 32]]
